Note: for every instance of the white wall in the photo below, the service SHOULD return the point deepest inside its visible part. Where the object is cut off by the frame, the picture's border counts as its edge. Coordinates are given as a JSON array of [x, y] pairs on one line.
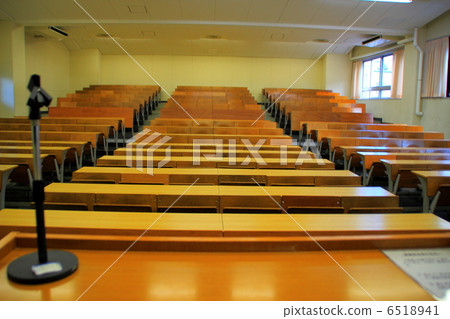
[[436, 111], [6, 70], [85, 68], [170, 71], [48, 58], [337, 73]]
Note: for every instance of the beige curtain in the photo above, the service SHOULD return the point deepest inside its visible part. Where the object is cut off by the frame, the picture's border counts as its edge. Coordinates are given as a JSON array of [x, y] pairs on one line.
[[397, 74], [357, 79], [436, 68]]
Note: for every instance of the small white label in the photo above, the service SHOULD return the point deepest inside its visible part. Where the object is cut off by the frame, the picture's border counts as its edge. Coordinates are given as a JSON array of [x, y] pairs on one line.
[[430, 268], [47, 268]]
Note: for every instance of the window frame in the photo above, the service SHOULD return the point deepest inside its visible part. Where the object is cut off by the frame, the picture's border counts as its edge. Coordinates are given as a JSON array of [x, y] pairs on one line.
[[379, 88]]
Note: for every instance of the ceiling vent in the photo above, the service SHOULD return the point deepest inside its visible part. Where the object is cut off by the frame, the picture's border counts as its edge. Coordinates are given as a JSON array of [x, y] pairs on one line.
[[379, 41]]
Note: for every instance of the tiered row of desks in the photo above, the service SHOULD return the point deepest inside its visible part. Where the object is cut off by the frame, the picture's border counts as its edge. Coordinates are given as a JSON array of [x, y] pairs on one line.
[[132, 103], [233, 165], [188, 196], [391, 150], [223, 256], [289, 106]]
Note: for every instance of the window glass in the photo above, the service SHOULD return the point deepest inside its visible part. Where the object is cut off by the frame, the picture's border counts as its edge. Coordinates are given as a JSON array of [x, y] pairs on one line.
[[375, 74], [385, 94], [377, 78], [387, 70], [367, 67]]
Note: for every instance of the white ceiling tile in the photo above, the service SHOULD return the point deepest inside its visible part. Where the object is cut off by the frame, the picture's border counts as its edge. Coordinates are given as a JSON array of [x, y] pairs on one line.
[[197, 10], [231, 10], [266, 10], [164, 9], [300, 11]]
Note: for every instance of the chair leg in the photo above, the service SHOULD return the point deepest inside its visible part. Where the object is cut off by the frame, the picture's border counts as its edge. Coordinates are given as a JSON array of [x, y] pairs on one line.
[[397, 181], [434, 202]]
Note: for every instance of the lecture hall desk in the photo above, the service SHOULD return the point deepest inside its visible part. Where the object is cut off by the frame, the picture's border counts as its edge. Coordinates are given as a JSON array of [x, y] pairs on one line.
[[369, 158], [59, 152], [215, 176], [350, 151], [430, 182], [225, 152], [217, 198], [5, 170], [393, 167], [79, 147], [211, 162], [22, 159], [173, 264]]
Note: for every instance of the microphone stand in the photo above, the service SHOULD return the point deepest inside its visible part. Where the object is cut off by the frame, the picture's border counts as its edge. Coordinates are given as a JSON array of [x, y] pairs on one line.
[[44, 265]]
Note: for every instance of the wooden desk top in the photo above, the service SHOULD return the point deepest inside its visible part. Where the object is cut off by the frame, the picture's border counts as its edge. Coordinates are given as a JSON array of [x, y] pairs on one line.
[[132, 189], [5, 167], [409, 154], [414, 162], [20, 156], [329, 224], [181, 224], [26, 159], [212, 144], [115, 160], [58, 151], [304, 191], [215, 171], [370, 157], [350, 150], [113, 223], [142, 275], [282, 172], [73, 144], [214, 190], [432, 174]]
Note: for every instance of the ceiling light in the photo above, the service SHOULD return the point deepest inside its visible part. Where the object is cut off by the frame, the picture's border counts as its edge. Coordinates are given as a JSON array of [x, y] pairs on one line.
[[137, 9], [397, 1], [58, 30]]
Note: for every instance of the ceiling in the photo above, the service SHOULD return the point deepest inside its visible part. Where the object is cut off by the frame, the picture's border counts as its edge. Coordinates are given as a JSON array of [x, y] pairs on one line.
[[246, 28]]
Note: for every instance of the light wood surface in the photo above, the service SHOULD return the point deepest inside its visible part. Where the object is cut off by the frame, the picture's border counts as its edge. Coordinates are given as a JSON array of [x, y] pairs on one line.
[[143, 273], [430, 182], [187, 161], [434, 179], [213, 144], [79, 146], [247, 225], [222, 276], [218, 197], [369, 158], [113, 223], [351, 158], [129, 175], [58, 151], [394, 166], [19, 159], [224, 152], [330, 224]]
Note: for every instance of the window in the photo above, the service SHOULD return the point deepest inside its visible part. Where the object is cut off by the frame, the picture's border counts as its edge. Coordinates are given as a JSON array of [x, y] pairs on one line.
[[377, 78]]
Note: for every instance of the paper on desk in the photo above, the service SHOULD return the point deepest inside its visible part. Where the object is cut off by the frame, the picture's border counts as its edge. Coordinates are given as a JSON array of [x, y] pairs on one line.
[[47, 268], [430, 268]]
